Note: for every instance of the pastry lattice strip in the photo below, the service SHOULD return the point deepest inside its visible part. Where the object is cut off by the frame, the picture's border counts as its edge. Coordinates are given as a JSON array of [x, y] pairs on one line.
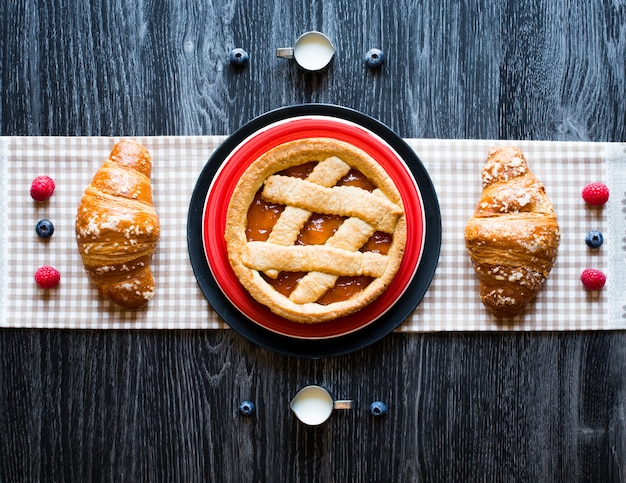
[[292, 219], [351, 235], [347, 201], [378, 211], [262, 256]]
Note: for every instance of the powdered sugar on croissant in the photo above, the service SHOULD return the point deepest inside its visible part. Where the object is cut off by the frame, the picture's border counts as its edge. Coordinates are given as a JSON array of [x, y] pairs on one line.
[[117, 227], [513, 236]]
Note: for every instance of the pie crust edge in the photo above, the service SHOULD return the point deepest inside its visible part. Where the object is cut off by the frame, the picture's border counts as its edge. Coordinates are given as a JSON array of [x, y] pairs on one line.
[[281, 157]]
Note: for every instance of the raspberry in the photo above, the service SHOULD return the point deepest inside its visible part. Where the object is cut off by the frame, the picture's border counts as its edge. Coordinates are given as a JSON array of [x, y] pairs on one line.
[[593, 279], [47, 277], [596, 194], [42, 188]]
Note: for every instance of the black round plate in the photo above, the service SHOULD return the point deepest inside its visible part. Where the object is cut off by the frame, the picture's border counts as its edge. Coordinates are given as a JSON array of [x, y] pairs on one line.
[[316, 348]]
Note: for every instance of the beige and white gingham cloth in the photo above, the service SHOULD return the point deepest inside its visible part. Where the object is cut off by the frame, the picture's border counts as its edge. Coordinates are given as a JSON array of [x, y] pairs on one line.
[[451, 303]]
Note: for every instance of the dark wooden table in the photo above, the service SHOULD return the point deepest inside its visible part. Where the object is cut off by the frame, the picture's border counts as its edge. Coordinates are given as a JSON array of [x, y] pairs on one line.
[[162, 405]]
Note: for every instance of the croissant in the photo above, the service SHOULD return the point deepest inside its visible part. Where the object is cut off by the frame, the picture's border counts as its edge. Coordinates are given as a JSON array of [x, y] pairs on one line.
[[117, 227], [513, 236]]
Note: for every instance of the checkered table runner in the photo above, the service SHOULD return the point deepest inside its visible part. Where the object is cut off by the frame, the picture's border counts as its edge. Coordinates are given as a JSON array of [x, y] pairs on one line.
[[451, 303]]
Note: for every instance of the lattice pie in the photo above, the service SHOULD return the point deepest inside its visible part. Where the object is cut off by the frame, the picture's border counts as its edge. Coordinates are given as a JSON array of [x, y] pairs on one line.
[[315, 229]]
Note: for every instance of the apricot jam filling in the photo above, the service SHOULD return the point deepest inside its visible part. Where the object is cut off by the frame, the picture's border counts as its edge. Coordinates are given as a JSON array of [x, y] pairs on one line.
[[263, 215]]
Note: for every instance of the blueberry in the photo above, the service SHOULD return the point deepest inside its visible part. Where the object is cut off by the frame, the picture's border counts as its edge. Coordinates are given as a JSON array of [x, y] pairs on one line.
[[239, 57], [594, 239], [378, 408], [44, 228], [246, 408], [374, 58]]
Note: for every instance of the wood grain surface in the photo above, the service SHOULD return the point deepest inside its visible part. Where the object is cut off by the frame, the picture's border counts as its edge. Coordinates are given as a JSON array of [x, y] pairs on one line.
[[162, 406]]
